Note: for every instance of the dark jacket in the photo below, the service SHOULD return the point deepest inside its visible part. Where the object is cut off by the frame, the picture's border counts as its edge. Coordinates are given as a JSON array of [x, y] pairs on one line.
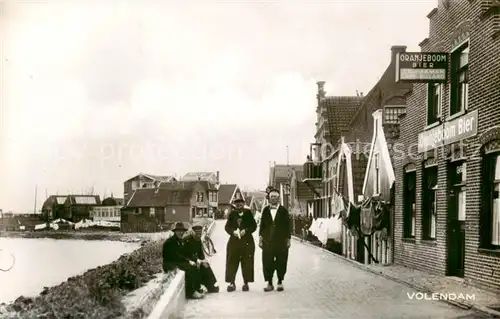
[[247, 223], [277, 231], [194, 248], [174, 253]]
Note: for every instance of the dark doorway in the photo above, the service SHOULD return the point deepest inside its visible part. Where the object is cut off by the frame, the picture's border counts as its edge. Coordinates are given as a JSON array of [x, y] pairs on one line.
[[360, 249], [457, 172]]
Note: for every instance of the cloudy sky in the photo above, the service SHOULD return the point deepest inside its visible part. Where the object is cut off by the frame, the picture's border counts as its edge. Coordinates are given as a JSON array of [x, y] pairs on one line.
[[95, 93]]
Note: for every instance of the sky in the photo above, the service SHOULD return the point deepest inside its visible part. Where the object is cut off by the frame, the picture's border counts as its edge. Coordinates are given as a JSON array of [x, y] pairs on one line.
[[94, 93]]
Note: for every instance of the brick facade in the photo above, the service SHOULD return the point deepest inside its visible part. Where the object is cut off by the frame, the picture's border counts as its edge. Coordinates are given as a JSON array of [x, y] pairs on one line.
[[452, 23]]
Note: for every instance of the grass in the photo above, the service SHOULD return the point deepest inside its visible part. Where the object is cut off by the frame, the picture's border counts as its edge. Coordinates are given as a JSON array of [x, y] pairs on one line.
[[95, 294]]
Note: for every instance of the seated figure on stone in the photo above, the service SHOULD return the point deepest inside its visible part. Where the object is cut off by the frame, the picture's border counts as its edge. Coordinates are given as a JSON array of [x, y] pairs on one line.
[[194, 248], [177, 256]]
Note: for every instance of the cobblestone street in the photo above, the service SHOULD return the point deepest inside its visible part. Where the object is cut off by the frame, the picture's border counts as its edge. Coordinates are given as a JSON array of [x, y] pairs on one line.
[[317, 285]]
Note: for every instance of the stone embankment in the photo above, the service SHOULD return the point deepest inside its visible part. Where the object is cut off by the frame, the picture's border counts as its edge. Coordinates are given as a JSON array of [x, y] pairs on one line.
[[134, 286]]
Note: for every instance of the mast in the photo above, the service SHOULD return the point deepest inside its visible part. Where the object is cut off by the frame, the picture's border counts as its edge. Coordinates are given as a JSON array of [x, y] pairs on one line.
[[287, 156], [34, 208]]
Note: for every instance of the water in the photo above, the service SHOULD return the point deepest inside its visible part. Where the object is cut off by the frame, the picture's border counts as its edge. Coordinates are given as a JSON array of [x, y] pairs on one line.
[[47, 262]]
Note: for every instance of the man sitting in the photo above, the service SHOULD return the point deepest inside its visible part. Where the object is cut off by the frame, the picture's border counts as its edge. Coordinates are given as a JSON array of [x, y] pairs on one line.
[[194, 247], [175, 256]]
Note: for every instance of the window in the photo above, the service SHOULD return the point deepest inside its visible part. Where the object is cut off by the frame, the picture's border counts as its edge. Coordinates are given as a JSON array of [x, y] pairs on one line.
[[135, 185], [392, 113], [175, 197], [459, 79], [458, 175], [409, 202], [376, 181], [434, 102], [151, 212], [491, 214], [199, 197], [213, 197], [429, 203]]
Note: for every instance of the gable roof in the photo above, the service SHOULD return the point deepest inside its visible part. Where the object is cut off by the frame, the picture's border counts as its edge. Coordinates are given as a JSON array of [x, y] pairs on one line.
[[84, 200], [188, 185], [281, 173], [72, 200], [226, 192], [248, 200], [158, 178], [338, 112], [159, 197], [199, 176], [112, 201]]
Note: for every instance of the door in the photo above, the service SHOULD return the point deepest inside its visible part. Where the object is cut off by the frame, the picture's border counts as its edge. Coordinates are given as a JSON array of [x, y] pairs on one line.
[[456, 219]]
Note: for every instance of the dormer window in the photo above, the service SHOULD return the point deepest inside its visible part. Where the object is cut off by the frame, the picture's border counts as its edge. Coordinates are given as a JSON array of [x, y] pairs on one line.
[[392, 113]]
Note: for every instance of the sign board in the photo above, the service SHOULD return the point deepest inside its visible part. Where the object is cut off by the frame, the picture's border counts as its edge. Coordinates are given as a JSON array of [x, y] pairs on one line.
[[449, 132], [422, 67]]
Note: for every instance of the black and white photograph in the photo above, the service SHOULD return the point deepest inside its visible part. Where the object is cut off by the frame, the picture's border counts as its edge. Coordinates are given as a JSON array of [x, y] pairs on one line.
[[261, 159]]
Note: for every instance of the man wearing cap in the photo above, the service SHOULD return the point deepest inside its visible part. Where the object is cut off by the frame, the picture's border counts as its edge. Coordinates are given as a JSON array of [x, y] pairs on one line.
[[240, 225], [175, 256], [195, 248], [274, 239]]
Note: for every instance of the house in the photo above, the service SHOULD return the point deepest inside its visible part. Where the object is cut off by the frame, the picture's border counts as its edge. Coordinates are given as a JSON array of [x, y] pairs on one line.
[[70, 207], [301, 196], [447, 198], [254, 200], [333, 113], [227, 193], [279, 177], [110, 210], [204, 196], [201, 176], [363, 157], [156, 209], [143, 181]]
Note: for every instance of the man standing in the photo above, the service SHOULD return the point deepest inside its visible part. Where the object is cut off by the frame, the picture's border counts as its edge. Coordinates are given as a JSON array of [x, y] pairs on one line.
[[175, 256], [240, 225], [274, 239], [195, 248]]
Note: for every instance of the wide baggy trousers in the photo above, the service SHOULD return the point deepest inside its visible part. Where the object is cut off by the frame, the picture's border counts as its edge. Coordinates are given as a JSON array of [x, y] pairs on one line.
[[274, 258], [240, 251]]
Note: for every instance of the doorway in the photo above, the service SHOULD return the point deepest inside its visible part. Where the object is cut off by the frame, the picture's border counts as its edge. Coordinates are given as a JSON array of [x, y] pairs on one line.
[[457, 172]]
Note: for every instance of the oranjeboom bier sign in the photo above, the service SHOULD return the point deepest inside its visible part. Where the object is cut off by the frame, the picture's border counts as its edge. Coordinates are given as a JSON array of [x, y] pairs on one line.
[[422, 67], [448, 132]]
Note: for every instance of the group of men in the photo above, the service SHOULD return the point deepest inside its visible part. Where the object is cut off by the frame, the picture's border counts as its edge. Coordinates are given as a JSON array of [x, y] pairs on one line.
[[274, 240], [184, 251]]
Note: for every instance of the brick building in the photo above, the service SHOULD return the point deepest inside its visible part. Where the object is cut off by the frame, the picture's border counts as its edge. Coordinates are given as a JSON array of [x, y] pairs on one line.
[[447, 198], [334, 114], [359, 165], [143, 181], [156, 209]]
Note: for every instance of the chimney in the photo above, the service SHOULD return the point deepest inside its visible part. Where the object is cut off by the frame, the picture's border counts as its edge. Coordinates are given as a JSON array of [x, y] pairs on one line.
[[395, 49], [321, 91], [218, 175]]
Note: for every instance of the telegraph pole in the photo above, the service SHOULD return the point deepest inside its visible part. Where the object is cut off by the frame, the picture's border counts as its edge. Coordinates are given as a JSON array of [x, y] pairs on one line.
[[287, 156]]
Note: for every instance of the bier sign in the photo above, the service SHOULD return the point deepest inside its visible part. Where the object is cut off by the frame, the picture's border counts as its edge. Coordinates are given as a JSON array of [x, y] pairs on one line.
[[422, 67]]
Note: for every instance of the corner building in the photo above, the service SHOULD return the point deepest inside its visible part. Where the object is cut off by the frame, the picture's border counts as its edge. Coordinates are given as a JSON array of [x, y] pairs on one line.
[[447, 218]]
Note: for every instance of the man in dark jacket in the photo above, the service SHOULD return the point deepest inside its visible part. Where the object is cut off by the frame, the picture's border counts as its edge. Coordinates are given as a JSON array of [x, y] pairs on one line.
[[240, 225], [175, 256], [195, 248], [274, 239]]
